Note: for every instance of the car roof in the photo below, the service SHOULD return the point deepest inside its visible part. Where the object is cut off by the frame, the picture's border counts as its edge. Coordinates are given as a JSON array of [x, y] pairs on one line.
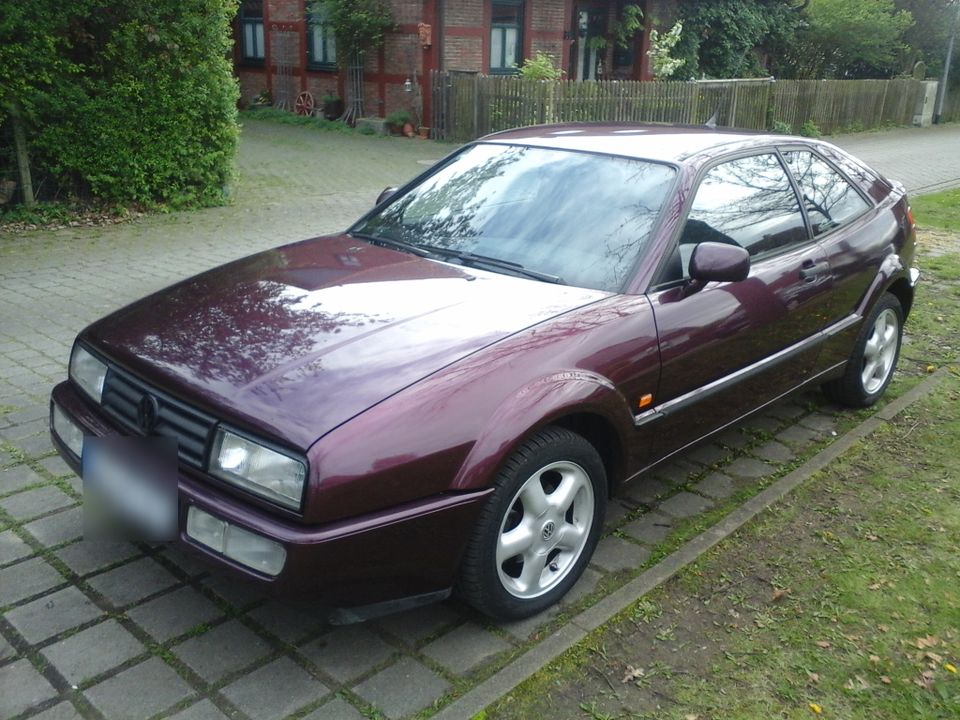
[[665, 143]]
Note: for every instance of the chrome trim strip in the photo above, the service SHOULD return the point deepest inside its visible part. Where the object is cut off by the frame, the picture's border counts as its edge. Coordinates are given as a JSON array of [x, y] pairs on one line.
[[720, 384]]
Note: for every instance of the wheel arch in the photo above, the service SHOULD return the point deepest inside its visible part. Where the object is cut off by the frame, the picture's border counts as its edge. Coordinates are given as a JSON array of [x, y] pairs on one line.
[[901, 289], [584, 403]]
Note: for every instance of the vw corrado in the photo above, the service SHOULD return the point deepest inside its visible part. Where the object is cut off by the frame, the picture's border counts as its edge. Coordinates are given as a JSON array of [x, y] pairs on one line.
[[444, 396]]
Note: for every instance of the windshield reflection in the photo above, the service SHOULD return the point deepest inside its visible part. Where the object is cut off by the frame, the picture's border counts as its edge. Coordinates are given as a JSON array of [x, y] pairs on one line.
[[581, 217]]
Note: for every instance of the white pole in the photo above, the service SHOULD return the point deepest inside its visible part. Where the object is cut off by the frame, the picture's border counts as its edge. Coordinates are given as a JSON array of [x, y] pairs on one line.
[[946, 67]]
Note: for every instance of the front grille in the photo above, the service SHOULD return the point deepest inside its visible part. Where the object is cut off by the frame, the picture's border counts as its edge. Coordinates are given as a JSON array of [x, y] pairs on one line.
[[191, 429]]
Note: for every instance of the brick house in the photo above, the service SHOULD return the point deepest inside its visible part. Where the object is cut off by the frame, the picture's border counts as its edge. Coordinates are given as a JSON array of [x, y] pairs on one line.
[[284, 49]]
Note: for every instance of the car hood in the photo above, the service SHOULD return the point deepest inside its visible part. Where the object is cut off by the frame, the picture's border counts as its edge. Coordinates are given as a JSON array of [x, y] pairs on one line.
[[297, 340]]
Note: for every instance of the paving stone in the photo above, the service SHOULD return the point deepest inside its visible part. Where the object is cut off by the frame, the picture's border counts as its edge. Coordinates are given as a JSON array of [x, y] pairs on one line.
[[36, 445], [466, 647], [616, 512], [188, 563], [56, 466], [734, 438], [52, 614], [677, 472], [786, 411], [172, 614], [58, 528], [715, 485], [93, 651], [403, 688], [203, 710], [26, 579], [416, 625], [7, 651], [649, 528], [132, 582], [32, 503], [87, 556], [708, 454], [583, 587], [12, 547], [275, 690], [524, 629], [823, 424], [63, 711], [17, 478], [139, 692], [239, 594], [348, 652], [647, 490], [748, 468], [336, 709], [684, 505], [766, 424], [290, 622], [23, 430], [775, 452], [23, 688], [615, 554], [222, 650]]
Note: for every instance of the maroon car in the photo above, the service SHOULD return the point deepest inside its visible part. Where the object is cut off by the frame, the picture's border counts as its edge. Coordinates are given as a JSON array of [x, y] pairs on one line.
[[444, 396]]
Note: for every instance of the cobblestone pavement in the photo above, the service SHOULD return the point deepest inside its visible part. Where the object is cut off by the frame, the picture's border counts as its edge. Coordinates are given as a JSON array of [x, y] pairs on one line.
[[126, 630]]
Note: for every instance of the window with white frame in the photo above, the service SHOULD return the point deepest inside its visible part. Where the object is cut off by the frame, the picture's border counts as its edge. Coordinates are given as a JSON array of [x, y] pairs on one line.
[[251, 31], [506, 22], [321, 41]]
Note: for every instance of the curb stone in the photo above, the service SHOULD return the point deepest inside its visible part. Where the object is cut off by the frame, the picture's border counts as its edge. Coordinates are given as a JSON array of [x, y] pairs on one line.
[[526, 665]]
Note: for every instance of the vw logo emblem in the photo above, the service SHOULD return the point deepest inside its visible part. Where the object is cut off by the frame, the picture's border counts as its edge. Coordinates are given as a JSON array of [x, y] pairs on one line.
[[147, 412], [548, 529]]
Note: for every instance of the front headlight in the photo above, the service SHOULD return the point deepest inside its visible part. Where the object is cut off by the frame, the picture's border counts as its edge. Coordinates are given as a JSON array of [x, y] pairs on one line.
[[87, 372], [265, 472]]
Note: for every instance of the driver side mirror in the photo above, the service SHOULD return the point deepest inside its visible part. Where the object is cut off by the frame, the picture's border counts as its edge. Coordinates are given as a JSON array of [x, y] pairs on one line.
[[719, 262], [385, 194]]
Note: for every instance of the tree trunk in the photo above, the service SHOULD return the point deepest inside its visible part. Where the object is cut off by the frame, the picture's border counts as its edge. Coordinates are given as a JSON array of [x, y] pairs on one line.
[[23, 159], [354, 108]]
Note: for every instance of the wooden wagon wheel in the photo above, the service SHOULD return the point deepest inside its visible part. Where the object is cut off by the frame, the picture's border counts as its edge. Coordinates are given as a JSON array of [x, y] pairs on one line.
[[304, 104]]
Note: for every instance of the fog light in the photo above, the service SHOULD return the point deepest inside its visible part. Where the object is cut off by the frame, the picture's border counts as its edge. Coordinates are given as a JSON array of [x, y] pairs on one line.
[[247, 548], [68, 431]]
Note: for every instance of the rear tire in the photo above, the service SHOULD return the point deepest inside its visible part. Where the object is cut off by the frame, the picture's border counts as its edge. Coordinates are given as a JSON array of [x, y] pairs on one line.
[[539, 529], [874, 357]]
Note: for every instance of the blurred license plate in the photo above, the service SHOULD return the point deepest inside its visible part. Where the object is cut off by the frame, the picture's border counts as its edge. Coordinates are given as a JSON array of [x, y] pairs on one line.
[[130, 488]]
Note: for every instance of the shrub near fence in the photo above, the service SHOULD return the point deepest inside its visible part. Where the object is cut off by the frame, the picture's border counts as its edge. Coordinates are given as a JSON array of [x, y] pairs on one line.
[[466, 106]]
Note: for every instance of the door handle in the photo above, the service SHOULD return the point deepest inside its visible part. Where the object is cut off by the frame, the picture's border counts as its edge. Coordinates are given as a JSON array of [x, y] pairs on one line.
[[810, 270]]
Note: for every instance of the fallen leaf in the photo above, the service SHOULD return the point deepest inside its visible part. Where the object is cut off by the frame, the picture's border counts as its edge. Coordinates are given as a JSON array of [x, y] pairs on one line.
[[872, 538], [813, 677], [875, 586], [632, 674], [816, 708], [883, 628], [823, 644], [933, 657], [874, 658], [931, 368], [885, 680], [779, 594], [691, 717], [926, 680], [926, 642], [949, 667], [857, 683]]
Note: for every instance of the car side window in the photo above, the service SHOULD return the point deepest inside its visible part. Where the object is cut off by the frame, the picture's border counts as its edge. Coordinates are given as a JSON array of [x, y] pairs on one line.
[[747, 202], [829, 198]]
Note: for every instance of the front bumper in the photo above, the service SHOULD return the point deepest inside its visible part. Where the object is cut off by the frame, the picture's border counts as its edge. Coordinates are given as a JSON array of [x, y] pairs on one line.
[[405, 551]]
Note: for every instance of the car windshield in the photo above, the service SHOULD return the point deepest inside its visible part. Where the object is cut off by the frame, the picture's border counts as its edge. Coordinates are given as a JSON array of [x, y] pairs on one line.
[[571, 217]]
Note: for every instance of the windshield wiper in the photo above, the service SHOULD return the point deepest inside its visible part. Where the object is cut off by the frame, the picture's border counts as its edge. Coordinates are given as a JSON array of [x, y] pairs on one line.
[[397, 245], [475, 260]]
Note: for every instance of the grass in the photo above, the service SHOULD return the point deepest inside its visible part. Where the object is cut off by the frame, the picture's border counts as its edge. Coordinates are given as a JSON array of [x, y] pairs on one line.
[[842, 601], [289, 118], [940, 210]]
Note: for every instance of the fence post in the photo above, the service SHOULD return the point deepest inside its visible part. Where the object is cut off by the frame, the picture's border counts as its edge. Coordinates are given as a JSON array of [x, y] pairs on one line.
[[733, 104], [476, 107]]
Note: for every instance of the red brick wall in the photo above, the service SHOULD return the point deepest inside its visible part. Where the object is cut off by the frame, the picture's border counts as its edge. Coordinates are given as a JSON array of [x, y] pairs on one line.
[[252, 83]]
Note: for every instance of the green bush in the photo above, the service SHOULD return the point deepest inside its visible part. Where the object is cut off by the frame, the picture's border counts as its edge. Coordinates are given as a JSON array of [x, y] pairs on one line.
[[149, 116], [810, 129], [781, 128]]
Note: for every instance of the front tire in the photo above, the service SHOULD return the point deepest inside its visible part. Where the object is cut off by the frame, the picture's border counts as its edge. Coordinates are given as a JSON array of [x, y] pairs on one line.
[[874, 357], [539, 529]]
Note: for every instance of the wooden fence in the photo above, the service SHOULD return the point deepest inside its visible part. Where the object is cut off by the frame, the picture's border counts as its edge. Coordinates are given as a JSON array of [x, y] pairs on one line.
[[466, 106]]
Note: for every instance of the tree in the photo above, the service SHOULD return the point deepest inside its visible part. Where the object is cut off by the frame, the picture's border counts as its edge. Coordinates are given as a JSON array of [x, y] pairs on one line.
[[359, 25], [732, 38], [926, 40], [849, 39]]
